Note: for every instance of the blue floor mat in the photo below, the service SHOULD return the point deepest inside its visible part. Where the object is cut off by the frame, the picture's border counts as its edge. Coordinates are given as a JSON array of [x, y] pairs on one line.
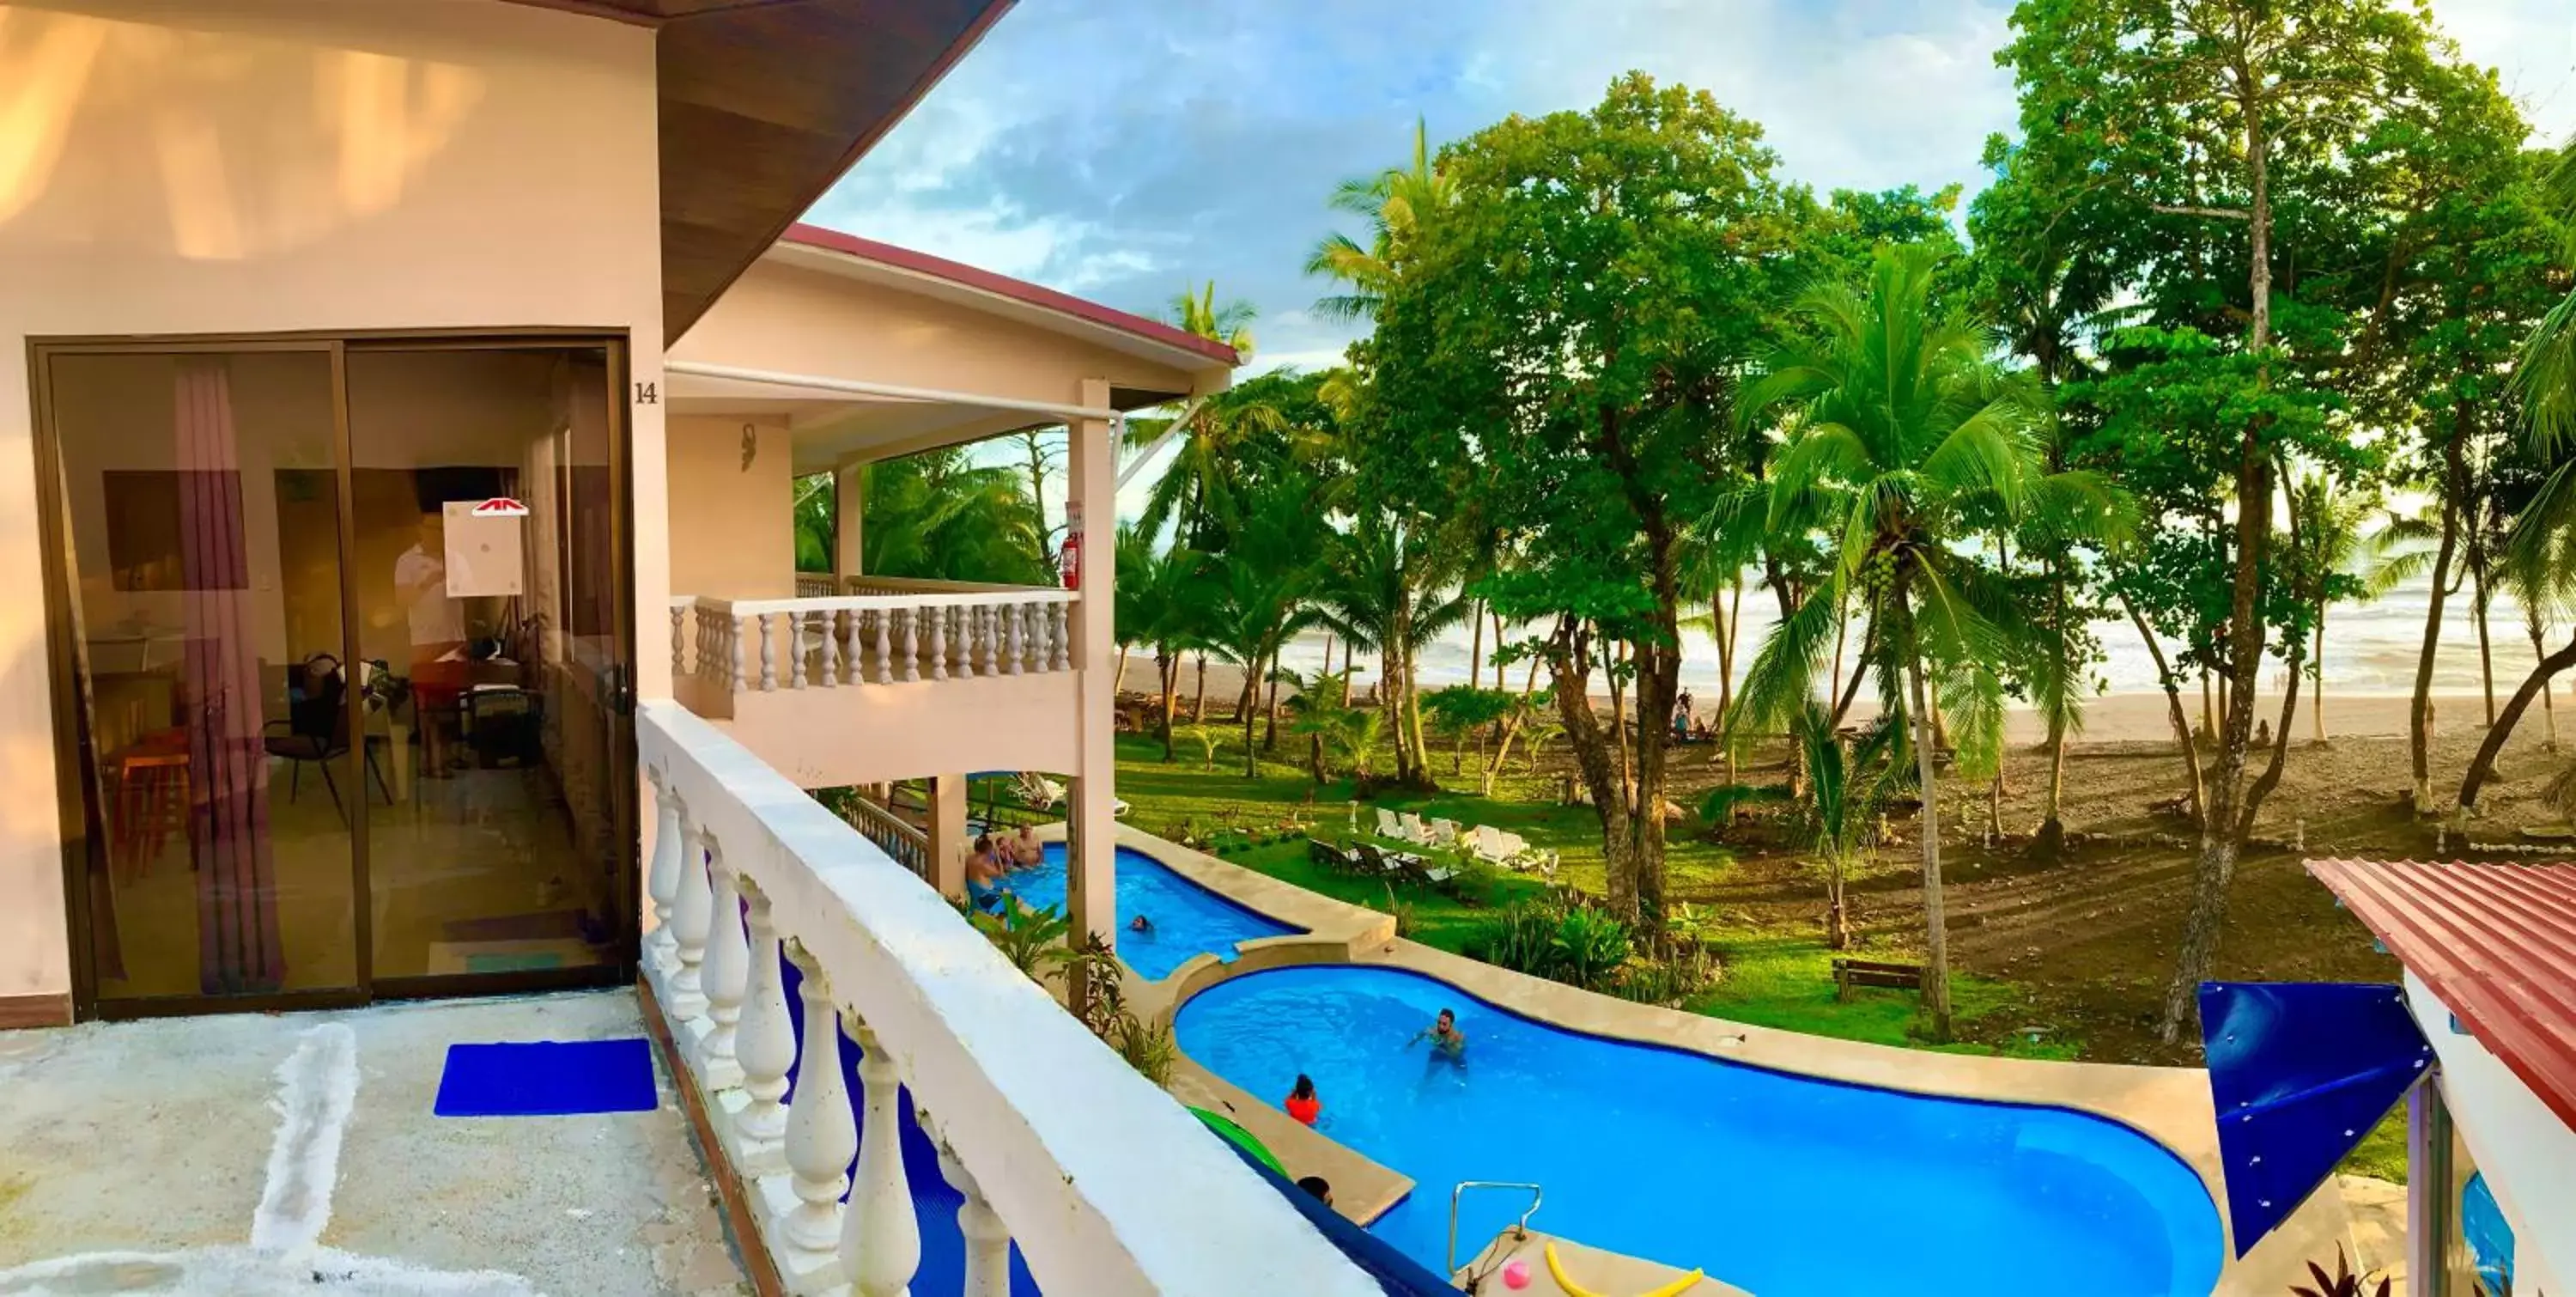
[[547, 1078]]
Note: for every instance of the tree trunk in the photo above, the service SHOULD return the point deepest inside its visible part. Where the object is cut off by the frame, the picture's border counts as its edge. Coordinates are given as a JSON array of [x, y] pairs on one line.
[[2174, 713], [2482, 767], [1119, 681], [1570, 668], [1198, 701], [2229, 810], [2478, 613], [1726, 669], [1619, 728], [1167, 672], [1270, 709], [1476, 649], [1936, 946], [2548, 697], [2419, 716], [1837, 919], [1251, 694], [2317, 709]]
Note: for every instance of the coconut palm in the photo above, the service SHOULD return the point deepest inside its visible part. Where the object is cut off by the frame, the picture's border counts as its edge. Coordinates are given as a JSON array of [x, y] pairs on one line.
[[1155, 605], [1395, 203], [1844, 791], [1392, 588], [1260, 589], [2548, 371], [941, 516], [1221, 445], [1913, 435]]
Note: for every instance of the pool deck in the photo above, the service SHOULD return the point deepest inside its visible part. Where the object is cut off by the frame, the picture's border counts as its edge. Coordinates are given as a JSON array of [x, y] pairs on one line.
[[2170, 1105], [1594, 1269]]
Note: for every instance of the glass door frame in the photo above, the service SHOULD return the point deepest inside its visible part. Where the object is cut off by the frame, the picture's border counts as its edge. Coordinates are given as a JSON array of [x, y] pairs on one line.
[[77, 812]]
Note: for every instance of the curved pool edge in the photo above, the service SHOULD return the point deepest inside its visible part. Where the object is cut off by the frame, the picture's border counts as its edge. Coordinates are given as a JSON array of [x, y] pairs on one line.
[[2168, 1106]]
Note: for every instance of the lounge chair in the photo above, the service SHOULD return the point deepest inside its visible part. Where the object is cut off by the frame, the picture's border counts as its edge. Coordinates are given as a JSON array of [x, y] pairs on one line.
[[1444, 833], [1387, 825], [1330, 856], [1375, 863], [1037, 792], [1413, 831], [1487, 842]]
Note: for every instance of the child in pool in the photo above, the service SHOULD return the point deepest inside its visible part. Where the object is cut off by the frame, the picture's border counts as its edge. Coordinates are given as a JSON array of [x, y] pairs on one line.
[[1302, 1102]]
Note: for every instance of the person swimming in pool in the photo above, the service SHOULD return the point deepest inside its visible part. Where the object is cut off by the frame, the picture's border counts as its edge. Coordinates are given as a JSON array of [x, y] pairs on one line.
[[1141, 924], [1447, 1042], [1302, 1102]]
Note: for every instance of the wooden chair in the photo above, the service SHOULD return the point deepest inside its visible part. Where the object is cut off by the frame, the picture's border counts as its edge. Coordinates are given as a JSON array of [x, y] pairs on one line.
[[1849, 973]]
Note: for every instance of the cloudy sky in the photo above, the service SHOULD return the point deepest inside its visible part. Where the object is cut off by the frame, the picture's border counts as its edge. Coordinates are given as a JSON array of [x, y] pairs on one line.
[[1119, 149]]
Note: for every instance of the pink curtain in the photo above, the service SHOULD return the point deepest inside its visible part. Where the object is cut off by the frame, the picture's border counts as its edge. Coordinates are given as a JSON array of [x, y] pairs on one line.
[[237, 937]]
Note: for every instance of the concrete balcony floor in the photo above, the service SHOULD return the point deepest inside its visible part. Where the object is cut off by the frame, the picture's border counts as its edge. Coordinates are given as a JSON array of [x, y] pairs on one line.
[[214, 1156]]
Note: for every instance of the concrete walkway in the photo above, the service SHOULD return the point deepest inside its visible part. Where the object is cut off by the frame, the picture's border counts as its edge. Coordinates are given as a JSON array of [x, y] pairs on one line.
[[247, 1155]]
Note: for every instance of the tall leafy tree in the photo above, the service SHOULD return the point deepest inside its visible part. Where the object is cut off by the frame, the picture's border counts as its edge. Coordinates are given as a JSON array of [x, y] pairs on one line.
[[939, 515], [2212, 118], [1262, 589], [1396, 204], [1160, 592], [1567, 334]]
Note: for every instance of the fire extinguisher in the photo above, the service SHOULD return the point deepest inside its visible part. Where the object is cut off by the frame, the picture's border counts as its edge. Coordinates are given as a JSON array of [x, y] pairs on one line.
[[1072, 560]]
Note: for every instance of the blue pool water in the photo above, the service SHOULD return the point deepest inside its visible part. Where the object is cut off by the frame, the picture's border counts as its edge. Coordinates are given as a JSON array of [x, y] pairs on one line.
[[1187, 918], [1783, 1185]]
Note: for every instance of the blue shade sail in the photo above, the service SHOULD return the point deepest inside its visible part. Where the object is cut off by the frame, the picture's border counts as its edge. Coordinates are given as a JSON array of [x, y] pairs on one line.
[[2300, 1072]]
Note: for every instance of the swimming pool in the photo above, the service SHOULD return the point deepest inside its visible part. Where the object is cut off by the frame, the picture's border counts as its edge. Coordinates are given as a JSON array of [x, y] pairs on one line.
[[1187, 918], [1787, 1186]]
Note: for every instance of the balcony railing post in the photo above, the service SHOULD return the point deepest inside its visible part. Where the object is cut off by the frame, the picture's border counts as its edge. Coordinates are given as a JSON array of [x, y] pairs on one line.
[[796, 650], [982, 639], [679, 641], [1014, 638], [768, 663], [764, 1044], [663, 884], [1059, 617], [880, 1241], [829, 623], [988, 1240], [908, 654], [725, 972], [939, 643], [822, 1135], [885, 644], [734, 652], [689, 914]]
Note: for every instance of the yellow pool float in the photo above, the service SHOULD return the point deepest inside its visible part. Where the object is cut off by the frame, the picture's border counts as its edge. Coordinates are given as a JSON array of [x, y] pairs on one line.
[[1557, 1268]]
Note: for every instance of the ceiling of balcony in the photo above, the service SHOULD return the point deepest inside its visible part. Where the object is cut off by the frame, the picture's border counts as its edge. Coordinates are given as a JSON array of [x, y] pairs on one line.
[[765, 103]]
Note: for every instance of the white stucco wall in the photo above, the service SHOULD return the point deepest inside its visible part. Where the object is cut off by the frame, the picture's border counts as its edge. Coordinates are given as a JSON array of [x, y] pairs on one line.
[[2527, 1153], [238, 166]]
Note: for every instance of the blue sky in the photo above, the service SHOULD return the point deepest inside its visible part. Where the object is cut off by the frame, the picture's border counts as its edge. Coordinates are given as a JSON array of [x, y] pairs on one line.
[[1119, 149]]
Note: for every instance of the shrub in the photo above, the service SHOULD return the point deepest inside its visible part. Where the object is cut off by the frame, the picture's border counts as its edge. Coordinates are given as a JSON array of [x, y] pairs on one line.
[[1667, 982], [1147, 1046], [1402, 909], [1023, 935], [1589, 947], [1521, 937]]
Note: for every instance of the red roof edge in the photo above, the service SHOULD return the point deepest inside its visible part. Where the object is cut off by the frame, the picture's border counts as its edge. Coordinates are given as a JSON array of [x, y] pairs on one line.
[[1018, 290], [2496, 942]]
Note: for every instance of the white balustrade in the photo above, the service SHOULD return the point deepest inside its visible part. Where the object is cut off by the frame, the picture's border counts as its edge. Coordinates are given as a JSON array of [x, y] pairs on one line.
[[690, 909], [988, 1240], [663, 882], [764, 1045], [768, 645], [1107, 1184], [724, 973], [879, 1237]]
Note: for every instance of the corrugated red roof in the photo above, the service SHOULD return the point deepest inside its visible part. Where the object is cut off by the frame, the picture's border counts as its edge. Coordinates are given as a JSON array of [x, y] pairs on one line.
[[958, 272], [2497, 943]]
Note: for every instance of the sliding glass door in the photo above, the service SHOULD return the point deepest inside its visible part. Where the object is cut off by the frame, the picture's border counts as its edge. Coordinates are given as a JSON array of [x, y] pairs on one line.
[[341, 667]]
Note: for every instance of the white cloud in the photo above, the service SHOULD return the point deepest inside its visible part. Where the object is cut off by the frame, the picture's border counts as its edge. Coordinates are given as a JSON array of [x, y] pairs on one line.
[[2532, 46]]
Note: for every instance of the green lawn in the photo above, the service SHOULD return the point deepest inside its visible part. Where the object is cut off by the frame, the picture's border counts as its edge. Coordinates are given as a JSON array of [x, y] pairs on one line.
[[1773, 978]]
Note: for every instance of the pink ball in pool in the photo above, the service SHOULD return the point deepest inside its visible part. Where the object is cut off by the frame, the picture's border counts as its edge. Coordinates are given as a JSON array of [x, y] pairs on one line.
[[1516, 1275]]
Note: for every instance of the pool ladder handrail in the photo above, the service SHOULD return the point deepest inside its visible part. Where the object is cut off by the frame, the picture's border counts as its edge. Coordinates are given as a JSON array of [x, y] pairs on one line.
[[1520, 1228]]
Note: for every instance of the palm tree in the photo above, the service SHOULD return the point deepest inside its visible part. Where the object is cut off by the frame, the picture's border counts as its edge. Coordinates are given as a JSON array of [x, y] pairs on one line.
[[1198, 313], [1395, 203], [817, 515], [2342, 558], [1392, 588], [939, 515], [2547, 375], [1904, 424], [1261, 589], [1155, 605], [1844, 791], [1220, 447]]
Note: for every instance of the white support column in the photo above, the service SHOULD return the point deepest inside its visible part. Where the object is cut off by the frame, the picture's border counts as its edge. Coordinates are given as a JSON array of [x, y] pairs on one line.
[[1091, 880], [849, 499], [988, 1240], [2429, 1221], [663, 883], [689, 922], [765, 1046], [822, 1136], [880, 1240], [723, 974]]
